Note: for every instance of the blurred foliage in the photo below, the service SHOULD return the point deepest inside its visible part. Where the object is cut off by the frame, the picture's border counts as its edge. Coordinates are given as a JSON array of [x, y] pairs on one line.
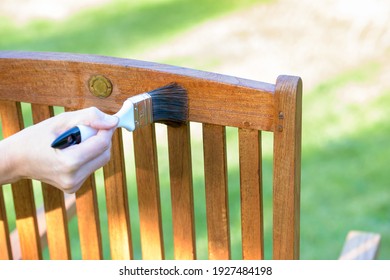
[[345, 177], [116, 28]]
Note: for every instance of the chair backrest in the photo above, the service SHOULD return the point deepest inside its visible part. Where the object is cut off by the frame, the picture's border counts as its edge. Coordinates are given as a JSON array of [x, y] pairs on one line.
[[216, 101]]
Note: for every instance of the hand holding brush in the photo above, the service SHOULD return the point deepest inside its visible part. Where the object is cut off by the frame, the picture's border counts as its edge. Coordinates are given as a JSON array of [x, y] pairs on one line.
[[168, 104], [28, 155]]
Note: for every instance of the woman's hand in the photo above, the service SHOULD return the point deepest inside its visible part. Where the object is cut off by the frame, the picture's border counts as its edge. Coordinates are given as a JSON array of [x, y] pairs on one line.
[[28, 154]]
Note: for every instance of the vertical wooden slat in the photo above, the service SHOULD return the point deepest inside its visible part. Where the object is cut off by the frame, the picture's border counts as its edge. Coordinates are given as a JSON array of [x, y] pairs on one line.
[[88, 220], [54, 204], [287, 165], [26, 221], [22, 191], [5, 245], [251, 194], [117, 202], [145, 154], [180, 169], [214, 142], [56, 221]]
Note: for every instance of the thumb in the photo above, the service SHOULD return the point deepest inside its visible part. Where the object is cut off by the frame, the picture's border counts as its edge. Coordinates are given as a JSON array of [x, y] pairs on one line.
[[105, 121], [97, 119]]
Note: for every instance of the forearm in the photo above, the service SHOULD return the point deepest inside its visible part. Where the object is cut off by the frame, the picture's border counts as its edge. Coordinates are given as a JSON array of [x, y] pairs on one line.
[[8, 165], [28, 153]]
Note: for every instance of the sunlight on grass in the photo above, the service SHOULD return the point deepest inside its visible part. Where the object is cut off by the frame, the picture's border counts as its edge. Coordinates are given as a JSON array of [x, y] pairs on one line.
[[344, 164], [120, 27], [327, 108]]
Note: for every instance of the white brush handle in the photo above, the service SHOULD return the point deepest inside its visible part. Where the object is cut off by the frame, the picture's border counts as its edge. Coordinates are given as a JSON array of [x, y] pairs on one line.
[[80, 133], [125, 116], [86, 132]]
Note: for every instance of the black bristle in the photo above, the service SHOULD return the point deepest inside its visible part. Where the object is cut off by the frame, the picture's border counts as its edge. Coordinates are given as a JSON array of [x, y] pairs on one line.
[[170, 104]]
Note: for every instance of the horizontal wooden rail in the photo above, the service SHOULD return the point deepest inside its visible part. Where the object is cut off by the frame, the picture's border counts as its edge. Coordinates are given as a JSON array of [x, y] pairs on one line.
[[42, 77]]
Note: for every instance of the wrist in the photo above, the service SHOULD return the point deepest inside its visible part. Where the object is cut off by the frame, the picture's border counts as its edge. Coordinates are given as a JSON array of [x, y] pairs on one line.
[[9, 163]]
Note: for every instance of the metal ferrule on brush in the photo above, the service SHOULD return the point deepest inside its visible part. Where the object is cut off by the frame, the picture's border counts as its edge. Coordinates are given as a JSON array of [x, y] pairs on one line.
[[143, 109]]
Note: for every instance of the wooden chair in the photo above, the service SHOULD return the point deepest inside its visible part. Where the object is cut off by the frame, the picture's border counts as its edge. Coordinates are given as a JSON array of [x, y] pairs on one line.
[[52, 79], [360, 245]]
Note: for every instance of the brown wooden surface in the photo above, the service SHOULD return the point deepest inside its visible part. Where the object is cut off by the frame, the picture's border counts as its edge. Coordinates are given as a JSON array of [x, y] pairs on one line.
[[5, 244], [117, 202], [88, 220], [215, 101], [287, 167], [22, 192], [54, 204], [251, 194], [180, 168], [215, 168], [70, 206], [233, 101], [148, 186]]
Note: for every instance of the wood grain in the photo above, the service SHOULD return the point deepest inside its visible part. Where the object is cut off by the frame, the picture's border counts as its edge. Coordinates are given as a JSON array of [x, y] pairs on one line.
[[148, 186], [88, 220], [215, 168], [54, 204], [117, 202], [70, 206], [5, 244], [251, 194], [287, 167], [216, 101], [44, 77], [22, 191], [180, 169]]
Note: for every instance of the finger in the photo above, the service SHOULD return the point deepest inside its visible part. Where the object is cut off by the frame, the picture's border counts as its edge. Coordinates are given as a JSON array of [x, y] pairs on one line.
[[105, 122], [97, 119], [92, 147], [86, 170], [90, 116], [94, 164]]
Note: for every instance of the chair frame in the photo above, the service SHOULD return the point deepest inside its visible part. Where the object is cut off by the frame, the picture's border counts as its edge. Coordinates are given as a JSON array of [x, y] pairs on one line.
[[58, 79]]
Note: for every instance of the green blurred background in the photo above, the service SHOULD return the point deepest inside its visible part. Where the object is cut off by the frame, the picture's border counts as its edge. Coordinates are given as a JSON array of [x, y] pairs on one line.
[[342, 55]]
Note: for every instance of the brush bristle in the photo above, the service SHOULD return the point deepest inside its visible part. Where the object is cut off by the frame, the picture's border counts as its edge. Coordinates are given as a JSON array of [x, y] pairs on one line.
[[170, 104]]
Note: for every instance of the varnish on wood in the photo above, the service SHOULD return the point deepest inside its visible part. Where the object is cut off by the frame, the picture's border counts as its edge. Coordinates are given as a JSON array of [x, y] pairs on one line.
[[216, 101]]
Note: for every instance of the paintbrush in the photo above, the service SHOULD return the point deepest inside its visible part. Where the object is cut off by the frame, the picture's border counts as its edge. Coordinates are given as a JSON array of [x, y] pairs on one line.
[[167, 104]]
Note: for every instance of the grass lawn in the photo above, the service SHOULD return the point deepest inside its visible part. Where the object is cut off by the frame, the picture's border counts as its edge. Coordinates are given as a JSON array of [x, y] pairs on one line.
[[345, 178], [116, 28], [345, 175]]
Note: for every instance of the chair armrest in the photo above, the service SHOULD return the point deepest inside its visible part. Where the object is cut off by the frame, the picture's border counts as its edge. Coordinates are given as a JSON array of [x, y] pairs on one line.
[[360, 246]]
